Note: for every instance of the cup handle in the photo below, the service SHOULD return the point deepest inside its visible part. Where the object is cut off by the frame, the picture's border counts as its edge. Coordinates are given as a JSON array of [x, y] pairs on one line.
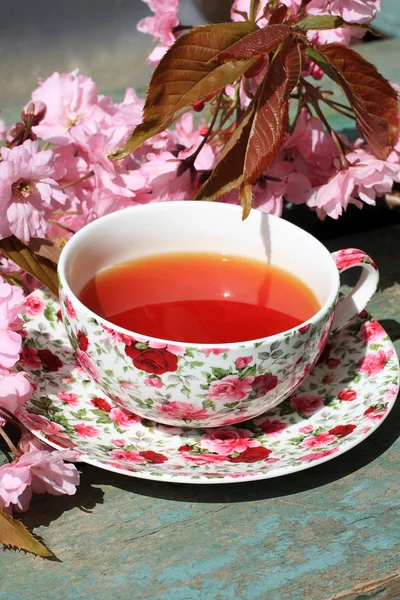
[[356, 301]]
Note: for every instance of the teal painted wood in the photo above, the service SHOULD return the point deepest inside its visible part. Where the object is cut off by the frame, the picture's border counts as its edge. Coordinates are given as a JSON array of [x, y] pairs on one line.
[[306, 536], [388, 19]]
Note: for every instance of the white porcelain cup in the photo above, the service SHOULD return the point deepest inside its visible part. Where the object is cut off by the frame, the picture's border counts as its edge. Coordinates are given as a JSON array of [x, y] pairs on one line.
[[203, 385]]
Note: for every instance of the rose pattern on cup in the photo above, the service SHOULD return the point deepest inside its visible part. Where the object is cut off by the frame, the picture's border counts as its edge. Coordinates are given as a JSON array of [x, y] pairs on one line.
[[316, 424], [230, 383]]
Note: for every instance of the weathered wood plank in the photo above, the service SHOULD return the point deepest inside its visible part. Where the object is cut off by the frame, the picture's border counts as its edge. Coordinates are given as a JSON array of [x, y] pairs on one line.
[[384, 589]]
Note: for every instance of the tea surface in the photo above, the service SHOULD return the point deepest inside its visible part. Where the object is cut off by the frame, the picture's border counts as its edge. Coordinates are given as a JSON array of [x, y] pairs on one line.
[[204, 298]]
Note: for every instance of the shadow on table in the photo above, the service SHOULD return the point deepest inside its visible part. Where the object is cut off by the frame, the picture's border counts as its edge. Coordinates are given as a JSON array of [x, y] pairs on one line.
[[302, 481]]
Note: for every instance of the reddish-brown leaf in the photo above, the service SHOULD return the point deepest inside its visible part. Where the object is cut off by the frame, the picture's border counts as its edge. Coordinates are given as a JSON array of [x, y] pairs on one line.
[[371, 96], [258, 42], [186, 74], [279, 15], [14, 534], [259, 136]]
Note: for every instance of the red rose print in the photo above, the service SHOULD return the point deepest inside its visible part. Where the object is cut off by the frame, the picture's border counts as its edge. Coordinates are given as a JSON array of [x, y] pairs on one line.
[[252, 455], [263, 384], [332, 363], [51, 362], [83, 341], [70, 309], [271, 427], [59, 315], [152, 360], [184, 448], [153, 457], [370, 410], [304, 329], [342, 430], [325, 354], [101, 404], [348, 395]]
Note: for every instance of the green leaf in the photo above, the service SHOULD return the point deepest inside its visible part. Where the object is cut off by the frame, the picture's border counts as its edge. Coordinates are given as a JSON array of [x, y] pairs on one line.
[[275, 346], [109, 372], [186, 74], [79, 414], [208, 404], [231, 404], [219, 373], [372, 98], [33, 259], [49, 312], [321, 22], [14, 534]]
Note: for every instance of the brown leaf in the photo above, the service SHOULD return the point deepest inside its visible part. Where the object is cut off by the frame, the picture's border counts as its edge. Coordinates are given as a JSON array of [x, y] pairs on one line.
[[260, 134], [32, 260], [258, 42], [186, 74], [279, 15], [14, 534], [46, 249], [246, 199], [371, 96]]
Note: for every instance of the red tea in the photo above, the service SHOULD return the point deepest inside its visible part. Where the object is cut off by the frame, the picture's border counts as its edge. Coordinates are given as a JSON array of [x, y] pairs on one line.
[[204, 298]]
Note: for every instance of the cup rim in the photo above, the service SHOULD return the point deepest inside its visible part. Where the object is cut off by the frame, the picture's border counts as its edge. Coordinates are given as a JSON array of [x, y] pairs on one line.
[[220, 345]]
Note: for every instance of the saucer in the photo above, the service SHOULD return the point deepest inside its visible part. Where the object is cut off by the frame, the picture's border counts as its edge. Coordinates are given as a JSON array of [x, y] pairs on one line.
[[343, 400]]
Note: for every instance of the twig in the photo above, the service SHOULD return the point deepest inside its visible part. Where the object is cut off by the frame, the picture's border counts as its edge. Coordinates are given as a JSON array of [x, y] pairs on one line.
[[83, 178], [54, 222], [9, 443]]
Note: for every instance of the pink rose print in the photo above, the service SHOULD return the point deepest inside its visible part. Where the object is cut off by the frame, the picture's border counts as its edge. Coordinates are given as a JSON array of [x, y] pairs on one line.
[[262, 384], [373, 413], [274, 426], [68, 398], [29, 358], [118, 466], [116, 336], [174, 349], [128, 385], [34, 305], [128, 455], [216, 351], [123, 418], [183, 410], [315, 441], [347, 395], [230, 389], [38, 423], [154, 381], [84, 430], [391, 393], [349, 257], [88, 365], [371, 332], [307, 429], [375, 363], [119, 442], [202, 458], [318, 455], [227, 440], [243, 361], [70, 309], [306, 404]]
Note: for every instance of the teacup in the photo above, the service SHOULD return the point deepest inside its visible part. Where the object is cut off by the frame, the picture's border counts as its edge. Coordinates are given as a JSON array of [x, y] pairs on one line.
[[203, 385]]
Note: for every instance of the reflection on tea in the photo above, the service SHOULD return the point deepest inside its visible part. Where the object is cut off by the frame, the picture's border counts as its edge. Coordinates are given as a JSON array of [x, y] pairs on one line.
[[204, 298]]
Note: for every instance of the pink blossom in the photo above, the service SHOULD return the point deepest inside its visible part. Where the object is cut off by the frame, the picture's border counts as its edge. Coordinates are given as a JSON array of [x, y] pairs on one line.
[[68, 398], [315, 441], [129, 455], [70, 99], [38, 471], [273, 426], [84, 430], [34, 305], [28, 192], [230, 389], [372, 332], [3, 130], [244, 6], [318, 455], [160, 172], [307, 429], [243, 361], [216, 351], [375, 363], [29, 358], [15, 390], [160, 26], [306, 404], [119, 442], [227, 440], [183, 410], [11, 304], [352, 11], [154, 381], [88, 365], [366, 178], [124, 418]]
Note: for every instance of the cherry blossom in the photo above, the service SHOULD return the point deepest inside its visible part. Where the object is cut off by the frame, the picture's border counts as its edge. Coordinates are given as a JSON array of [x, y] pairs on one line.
[[160, 26]]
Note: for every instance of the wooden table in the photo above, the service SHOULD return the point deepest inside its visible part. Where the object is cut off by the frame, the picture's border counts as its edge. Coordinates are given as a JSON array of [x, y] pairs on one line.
[[314, 535]]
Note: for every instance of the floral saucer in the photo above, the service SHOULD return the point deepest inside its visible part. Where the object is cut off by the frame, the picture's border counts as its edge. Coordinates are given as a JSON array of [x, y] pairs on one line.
[[343, 400]]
